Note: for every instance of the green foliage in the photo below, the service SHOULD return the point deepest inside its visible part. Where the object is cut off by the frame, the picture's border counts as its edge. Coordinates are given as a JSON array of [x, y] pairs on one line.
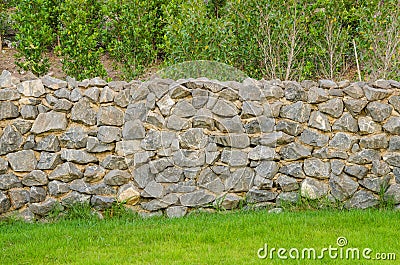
[[80, 32], [133, 33], [34, 34]]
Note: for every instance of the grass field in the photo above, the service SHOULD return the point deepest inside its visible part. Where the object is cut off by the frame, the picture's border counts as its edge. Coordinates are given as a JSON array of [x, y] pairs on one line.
[[221, 238]]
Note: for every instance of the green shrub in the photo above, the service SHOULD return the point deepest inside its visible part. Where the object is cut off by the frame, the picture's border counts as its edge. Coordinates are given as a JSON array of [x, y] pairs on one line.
[[34, 34], [80, 33], [133, 33]]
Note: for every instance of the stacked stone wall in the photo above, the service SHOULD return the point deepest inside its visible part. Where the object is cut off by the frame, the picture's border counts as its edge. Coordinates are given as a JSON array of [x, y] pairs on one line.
[[165, 146]]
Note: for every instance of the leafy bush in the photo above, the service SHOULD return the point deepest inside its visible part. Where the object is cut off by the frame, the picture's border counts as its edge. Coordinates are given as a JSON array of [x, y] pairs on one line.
[[80, 33], [34, 34], [132, 33]]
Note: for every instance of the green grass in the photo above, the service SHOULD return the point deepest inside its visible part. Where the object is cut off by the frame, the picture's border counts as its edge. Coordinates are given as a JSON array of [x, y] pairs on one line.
[[221, 238]]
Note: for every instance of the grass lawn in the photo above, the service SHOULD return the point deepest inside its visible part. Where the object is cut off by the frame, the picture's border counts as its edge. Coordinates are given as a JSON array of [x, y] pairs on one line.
[[221, 238]]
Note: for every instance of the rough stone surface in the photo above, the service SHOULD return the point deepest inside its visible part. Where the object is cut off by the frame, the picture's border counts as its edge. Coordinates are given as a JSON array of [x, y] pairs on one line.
[[343, 187], [22, 160], [313, 189], [362, 200], [49, 122]]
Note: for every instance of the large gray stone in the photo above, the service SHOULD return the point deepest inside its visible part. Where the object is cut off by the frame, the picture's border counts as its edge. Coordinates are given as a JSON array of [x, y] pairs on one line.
[[314, 167], [114, 162], [257, 196], [333, 107], [250, 92], [152, 141], [294, 151], [8, 110], [357, 171], [345, 123], [365, 156], [375, 184], [31, 88], [354, 90], [240, 141], [261, 152], [373, 94], [240, 180], [362, 200], [35, 178], [234, 158], [57, 188], [319, 121], [9, 181], [392, 125], [143, 176], [294, 91], [368, 126], [22, 161], [294, 169], [287, 183], [183, 109], [355, 106], [394, 143], [393, 193], [117, 177], [289, 127], [197, 198], [378, 141], [342, 186], [380, 168], [176, 211], [251, 109], [170, 175], [193, 139], [395, 102], [18, 198], [93, 145], [230, 125], [5, 79], [392, 158], [314, 189], [314, 138], [9, 94], [267, 169], [275, 138], [75, 137], [43, 208], [225, 108], [342, 141], [133, 130], [109, 134], [11, 140], [48, 160], [77, 156], [53, 83], [83, 112], [110, 116], [37, 194], [48, 143], [102, 203], [298, 111], [379, 111], [94, 173], [317, 95], [49, 122], [155, 190], [136, 111], [183, 158], [74, 198], [66, 172]]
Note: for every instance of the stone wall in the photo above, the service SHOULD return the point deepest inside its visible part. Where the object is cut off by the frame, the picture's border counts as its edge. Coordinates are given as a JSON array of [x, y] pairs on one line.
[[171, 146]]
